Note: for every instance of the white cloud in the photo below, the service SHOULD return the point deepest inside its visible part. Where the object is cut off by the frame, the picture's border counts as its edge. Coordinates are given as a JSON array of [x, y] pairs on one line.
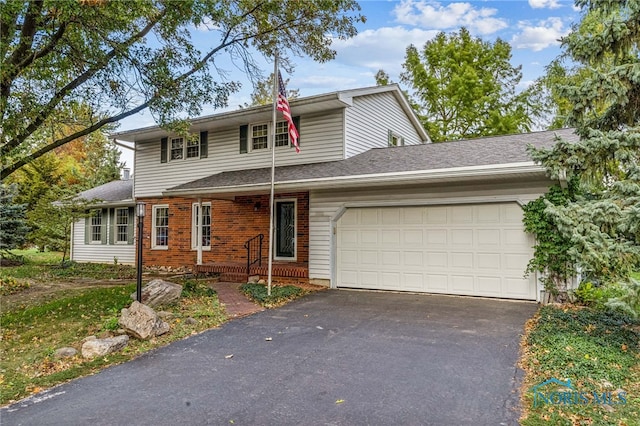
[[380, 48], [539, 36], [544, 4], [434, 15]]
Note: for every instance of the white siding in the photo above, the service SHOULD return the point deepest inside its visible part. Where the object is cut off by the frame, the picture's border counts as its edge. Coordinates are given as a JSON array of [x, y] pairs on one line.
[[324, 206], [99, 253], [321, 139], [370, 119]]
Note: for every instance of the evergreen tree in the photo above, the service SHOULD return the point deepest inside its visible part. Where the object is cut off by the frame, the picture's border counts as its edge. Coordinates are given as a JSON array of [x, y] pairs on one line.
[[603, 223], [13, 225]]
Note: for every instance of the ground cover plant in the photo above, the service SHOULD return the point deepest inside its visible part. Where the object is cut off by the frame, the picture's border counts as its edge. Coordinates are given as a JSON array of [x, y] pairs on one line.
[[279, 294], [592, 357]]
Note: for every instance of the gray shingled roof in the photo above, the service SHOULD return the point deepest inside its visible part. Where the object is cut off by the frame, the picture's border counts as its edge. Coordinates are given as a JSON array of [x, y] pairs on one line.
[[486, 151], [114, 191]]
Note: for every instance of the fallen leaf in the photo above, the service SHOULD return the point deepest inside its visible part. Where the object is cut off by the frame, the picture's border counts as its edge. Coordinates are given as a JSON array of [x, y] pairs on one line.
[[339, 401], [228, 356]]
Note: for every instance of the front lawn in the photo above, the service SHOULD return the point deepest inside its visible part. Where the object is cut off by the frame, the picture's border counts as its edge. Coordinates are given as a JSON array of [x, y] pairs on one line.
[[31, 333], [590, 360]]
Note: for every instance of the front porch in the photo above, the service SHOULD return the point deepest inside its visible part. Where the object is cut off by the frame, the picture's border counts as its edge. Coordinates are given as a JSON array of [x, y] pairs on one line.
[[237, 272]]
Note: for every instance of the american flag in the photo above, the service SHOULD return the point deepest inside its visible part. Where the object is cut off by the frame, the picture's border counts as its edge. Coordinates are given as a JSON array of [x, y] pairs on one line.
[[283, 105]]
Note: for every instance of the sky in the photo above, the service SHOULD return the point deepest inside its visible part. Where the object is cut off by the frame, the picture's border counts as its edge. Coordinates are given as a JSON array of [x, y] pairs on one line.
[[532, 28]]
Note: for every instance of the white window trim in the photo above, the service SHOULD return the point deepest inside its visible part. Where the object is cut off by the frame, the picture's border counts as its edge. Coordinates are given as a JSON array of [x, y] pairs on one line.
[[269, 137], [115, 231], [102, 227], [185, 143], [398, 137], [295, 231], [153, 227], [194, 228]]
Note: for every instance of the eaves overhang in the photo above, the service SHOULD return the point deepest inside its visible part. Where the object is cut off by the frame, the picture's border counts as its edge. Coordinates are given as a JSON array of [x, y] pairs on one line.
[[456, 174]]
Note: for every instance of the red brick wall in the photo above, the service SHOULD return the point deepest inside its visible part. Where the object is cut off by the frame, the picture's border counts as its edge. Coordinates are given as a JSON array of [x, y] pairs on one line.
[[233, 223]]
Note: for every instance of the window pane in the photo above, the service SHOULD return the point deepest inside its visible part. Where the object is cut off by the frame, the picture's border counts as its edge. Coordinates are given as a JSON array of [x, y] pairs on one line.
[[176, 148], [282, 134], [162, 226], [259, 136], [193, 149], [206, 225], [96, 226], [122, 225]]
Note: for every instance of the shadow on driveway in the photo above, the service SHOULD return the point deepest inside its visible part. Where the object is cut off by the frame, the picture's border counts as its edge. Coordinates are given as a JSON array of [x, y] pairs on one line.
[[336, 357]]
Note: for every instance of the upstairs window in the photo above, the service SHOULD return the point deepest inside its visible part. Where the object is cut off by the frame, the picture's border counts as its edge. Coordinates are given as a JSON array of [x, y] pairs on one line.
[[395, 139], [180, 148], [282, 133], [177, 147], [259, 136], [193, 148]]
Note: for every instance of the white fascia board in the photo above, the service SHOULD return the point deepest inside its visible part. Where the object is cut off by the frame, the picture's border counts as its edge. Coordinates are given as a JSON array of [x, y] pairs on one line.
[[417, 176]]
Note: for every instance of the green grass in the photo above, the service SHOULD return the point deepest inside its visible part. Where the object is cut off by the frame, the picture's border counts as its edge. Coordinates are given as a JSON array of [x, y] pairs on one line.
[[46, 266], [597, 350], [279, 294], [31, 335]]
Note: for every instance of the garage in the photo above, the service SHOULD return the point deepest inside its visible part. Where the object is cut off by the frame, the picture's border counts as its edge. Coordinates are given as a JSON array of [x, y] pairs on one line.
[[466, 249]]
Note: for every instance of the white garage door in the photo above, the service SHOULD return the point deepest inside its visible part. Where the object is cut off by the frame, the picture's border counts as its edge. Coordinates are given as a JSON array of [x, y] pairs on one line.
[[478, 250]]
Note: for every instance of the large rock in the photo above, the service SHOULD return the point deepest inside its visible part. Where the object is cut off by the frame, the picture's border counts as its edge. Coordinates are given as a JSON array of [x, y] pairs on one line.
[[142, 322], [100, 347], [160, 292]]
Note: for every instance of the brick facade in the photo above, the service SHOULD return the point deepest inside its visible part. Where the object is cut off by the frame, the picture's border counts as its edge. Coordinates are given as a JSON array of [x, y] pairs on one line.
[[233, 223]]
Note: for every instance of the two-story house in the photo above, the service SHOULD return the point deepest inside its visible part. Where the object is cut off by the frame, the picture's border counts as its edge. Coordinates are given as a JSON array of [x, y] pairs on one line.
[[369, 202]]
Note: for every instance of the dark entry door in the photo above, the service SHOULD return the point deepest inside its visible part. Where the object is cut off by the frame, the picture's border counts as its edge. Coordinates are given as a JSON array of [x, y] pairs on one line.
[[286, 229]]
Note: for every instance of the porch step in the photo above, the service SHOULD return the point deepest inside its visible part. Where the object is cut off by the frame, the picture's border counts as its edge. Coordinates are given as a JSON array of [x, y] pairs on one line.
[[234, 277]]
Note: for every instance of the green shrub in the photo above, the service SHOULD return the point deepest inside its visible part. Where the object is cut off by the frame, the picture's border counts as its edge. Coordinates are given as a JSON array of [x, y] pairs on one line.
[[597, 296], [10, 285], [279, 294], [194, 288], [111, 324]]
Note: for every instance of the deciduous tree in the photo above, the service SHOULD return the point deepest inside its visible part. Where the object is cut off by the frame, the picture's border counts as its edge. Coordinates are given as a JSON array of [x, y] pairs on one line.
[[118, 58], [465, 87]]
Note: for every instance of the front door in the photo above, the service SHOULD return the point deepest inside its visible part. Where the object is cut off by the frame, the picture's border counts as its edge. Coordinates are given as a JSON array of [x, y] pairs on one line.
[[285, 229]]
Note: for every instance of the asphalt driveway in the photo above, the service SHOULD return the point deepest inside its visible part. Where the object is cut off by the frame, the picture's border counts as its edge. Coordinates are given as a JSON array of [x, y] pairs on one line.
[[334, 358]]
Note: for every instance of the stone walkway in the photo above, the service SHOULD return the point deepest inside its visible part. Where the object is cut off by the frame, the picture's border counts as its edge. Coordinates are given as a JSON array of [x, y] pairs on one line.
[[236, 304]]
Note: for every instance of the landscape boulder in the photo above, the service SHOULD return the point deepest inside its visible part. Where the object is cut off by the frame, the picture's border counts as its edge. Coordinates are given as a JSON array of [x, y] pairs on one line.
[[142, 322], [100, 347], [160, 292], [66, 352]]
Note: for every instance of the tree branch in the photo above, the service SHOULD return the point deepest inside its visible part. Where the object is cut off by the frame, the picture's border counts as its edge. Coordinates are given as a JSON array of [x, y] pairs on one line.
[[59, 96]]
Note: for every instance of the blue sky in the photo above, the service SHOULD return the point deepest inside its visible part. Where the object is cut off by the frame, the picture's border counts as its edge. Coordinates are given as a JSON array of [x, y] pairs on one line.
[[532, 27]]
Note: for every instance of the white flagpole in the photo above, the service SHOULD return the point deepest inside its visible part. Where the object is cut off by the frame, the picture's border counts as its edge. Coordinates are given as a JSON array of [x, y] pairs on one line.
[[273, 171]]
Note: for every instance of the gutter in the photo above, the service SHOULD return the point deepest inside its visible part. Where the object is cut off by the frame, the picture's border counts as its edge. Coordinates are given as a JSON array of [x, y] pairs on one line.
[[392, 178]]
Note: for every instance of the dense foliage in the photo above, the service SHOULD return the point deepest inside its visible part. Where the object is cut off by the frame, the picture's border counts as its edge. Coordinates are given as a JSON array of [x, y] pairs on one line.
[[13, 224], [551, 256], [603, 222], [117, 58], [465, 87]]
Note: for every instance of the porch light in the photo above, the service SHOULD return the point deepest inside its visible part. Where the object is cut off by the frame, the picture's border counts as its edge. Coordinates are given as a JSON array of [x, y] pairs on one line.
[[256, 206], [140, 211]]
